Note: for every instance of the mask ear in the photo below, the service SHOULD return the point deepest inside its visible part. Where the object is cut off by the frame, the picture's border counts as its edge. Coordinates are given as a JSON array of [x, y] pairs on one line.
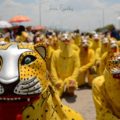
[[41, 50]]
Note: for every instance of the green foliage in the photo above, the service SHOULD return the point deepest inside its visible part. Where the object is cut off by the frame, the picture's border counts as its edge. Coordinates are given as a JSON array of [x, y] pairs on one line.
[[106, 28]]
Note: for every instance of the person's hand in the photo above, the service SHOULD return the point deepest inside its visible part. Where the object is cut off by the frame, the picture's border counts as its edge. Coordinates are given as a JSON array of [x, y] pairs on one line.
[[72, 87], [98, 63], [58, 85], [71, 83], [80, 70], [92, 70]]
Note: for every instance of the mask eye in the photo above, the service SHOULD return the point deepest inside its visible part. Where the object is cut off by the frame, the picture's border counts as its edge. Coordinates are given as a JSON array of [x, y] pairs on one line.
[[116, 61], [28, 59]]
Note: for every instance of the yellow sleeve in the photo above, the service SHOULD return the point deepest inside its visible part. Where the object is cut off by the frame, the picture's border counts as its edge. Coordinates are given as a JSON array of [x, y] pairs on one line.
[[76, 66], [17, 39], [50, 51], [77, 40], [25, 34], [55, 79], [76, 69], [97, 55], [103, 63], [90, 42], [90, 63], [103, 112], [75, 47]]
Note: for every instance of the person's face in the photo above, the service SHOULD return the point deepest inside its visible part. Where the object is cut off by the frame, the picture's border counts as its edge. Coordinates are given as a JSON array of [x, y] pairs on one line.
[[66, 41], [37, 39], [105, 45], [114, 49], [1, 36], [113, 65], [29, 29], [96, 39], [50, 37], [85, 45]]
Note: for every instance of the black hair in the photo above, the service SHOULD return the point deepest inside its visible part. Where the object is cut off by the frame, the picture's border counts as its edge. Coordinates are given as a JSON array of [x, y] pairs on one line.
[[21, 28]]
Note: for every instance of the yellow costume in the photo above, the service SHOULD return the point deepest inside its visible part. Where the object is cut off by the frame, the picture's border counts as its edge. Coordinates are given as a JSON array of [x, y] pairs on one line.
[[106, 89], [53, 40], [87, 59], [64, 67], [113, 47], [100, 53], [50, 51], [4, 39], [75, 47], [90, 39], [39, 38], [25, 92], [102, 63], [55, 43], [95, 43], [77, 38], [22, 38], [104, 48]]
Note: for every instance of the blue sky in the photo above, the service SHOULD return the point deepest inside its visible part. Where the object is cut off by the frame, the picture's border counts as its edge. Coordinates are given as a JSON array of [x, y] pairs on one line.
[[70, 14], [113, 1]]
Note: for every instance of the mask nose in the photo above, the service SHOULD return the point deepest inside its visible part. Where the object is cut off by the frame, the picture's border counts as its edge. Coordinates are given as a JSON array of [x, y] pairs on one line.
[[9, 72]]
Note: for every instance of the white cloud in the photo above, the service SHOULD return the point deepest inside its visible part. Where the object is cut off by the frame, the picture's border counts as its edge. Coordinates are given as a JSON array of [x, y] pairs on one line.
[[10, 2], [10, 8], [86, 14]]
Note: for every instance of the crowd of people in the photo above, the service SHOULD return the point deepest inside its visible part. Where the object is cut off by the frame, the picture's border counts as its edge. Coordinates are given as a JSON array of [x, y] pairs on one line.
[[74, 60]]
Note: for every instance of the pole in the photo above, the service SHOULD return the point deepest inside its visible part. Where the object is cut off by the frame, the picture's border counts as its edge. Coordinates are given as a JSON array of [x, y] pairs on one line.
[[40, 12], [103, 17]]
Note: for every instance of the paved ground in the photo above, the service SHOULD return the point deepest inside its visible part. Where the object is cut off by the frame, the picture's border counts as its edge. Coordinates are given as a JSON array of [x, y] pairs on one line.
[[83, 103]]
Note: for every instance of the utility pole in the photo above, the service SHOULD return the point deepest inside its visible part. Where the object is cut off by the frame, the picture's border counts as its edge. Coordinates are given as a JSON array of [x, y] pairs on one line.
[[40, 12], [40, 3], [103, 17]]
